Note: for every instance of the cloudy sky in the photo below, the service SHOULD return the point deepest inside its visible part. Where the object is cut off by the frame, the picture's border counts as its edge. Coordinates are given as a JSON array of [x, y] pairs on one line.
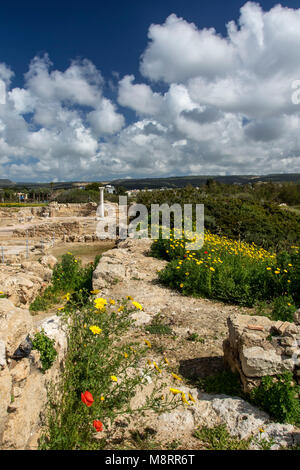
[[135, 89]]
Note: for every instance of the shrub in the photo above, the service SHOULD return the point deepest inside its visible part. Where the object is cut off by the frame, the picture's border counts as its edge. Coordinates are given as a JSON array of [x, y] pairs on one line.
[[101, 362], [279, 396], [283, 309], [42, 343], [224, 383], [229, 270], [68, 276]]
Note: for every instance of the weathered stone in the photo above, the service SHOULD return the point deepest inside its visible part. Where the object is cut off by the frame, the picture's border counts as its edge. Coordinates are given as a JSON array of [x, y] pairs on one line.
[[49, 261], [5, 394], [256, 362], [24, 348], [2, 354], [14, 325], [21, 370], [54, 328], [297, 317]]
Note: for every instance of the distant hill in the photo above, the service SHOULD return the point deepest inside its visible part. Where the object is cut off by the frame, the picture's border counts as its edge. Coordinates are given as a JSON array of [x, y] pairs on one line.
[[6, 183], [182, 181]]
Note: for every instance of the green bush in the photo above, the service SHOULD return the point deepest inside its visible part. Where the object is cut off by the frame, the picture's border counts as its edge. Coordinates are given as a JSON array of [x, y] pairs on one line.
[[224, 383], [68, 276], [42, 343], [265, 224], [279, 396], [230, 271], [102, 362], [283, 308]]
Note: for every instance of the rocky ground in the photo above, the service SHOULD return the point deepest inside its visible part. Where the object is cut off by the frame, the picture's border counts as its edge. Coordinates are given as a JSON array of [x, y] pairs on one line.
[[193, 346]]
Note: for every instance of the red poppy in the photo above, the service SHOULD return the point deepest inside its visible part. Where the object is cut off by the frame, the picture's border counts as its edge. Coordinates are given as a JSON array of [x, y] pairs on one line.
[[98, 425], [87, 398], [206, 252]]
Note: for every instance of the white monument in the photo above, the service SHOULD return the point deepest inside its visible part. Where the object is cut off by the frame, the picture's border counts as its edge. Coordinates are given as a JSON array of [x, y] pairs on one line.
[[101, 211]]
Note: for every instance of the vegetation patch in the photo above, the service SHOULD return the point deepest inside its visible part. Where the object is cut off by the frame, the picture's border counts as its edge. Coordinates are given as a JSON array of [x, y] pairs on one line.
[[42, 343], [279, 396], [157, 327], [102, 374], [218, 438], [68, 276], [231, 271]]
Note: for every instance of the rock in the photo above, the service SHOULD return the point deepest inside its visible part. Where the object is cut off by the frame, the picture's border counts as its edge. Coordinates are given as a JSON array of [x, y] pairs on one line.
[[5, 394], [49, 261], [297, 317], [21, 370], [54, 328], [2, 354], [257, 354], [24, 414], [40, 270], [241, 418], [15, 323], [24, 349], [257, 362], [141, 318]]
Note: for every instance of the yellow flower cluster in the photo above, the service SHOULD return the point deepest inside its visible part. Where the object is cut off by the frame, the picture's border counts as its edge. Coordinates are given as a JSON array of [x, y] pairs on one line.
[[137, 305], [183, 396], [95, 330], [100, 303]]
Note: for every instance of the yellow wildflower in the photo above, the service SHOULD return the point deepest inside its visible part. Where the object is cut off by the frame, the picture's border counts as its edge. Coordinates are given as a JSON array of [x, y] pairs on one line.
[[148, 343], [176, 377], [183, 398], [137, 305], [95, 330], [114, 378], [175, 391]]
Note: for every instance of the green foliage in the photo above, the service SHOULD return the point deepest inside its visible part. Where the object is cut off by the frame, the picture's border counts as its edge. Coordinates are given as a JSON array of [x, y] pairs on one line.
[[42, 343], [283, 309], [224, 383], [157, 327], [194, 337], [68, 276], [279, 396], [92, 360], [232, 272], [263, 223], [78, 196], [43, 302], [218, 438]]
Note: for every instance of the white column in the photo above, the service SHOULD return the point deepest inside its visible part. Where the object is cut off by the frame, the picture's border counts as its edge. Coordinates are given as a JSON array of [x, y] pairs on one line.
[[101, 201]]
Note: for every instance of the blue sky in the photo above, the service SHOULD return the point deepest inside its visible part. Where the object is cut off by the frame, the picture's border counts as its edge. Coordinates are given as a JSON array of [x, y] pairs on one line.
[[144, 111]]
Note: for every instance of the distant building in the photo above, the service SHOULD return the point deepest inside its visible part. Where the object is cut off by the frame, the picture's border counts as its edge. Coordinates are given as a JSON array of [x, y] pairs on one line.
[[110, 189]]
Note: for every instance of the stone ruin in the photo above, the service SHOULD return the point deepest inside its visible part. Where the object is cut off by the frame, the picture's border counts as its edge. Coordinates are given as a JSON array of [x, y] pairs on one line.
[[258, 347], [23, 385]]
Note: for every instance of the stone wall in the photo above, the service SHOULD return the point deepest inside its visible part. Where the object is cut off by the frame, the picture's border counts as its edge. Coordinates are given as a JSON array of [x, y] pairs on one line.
[[23, 385], [257, 347]]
